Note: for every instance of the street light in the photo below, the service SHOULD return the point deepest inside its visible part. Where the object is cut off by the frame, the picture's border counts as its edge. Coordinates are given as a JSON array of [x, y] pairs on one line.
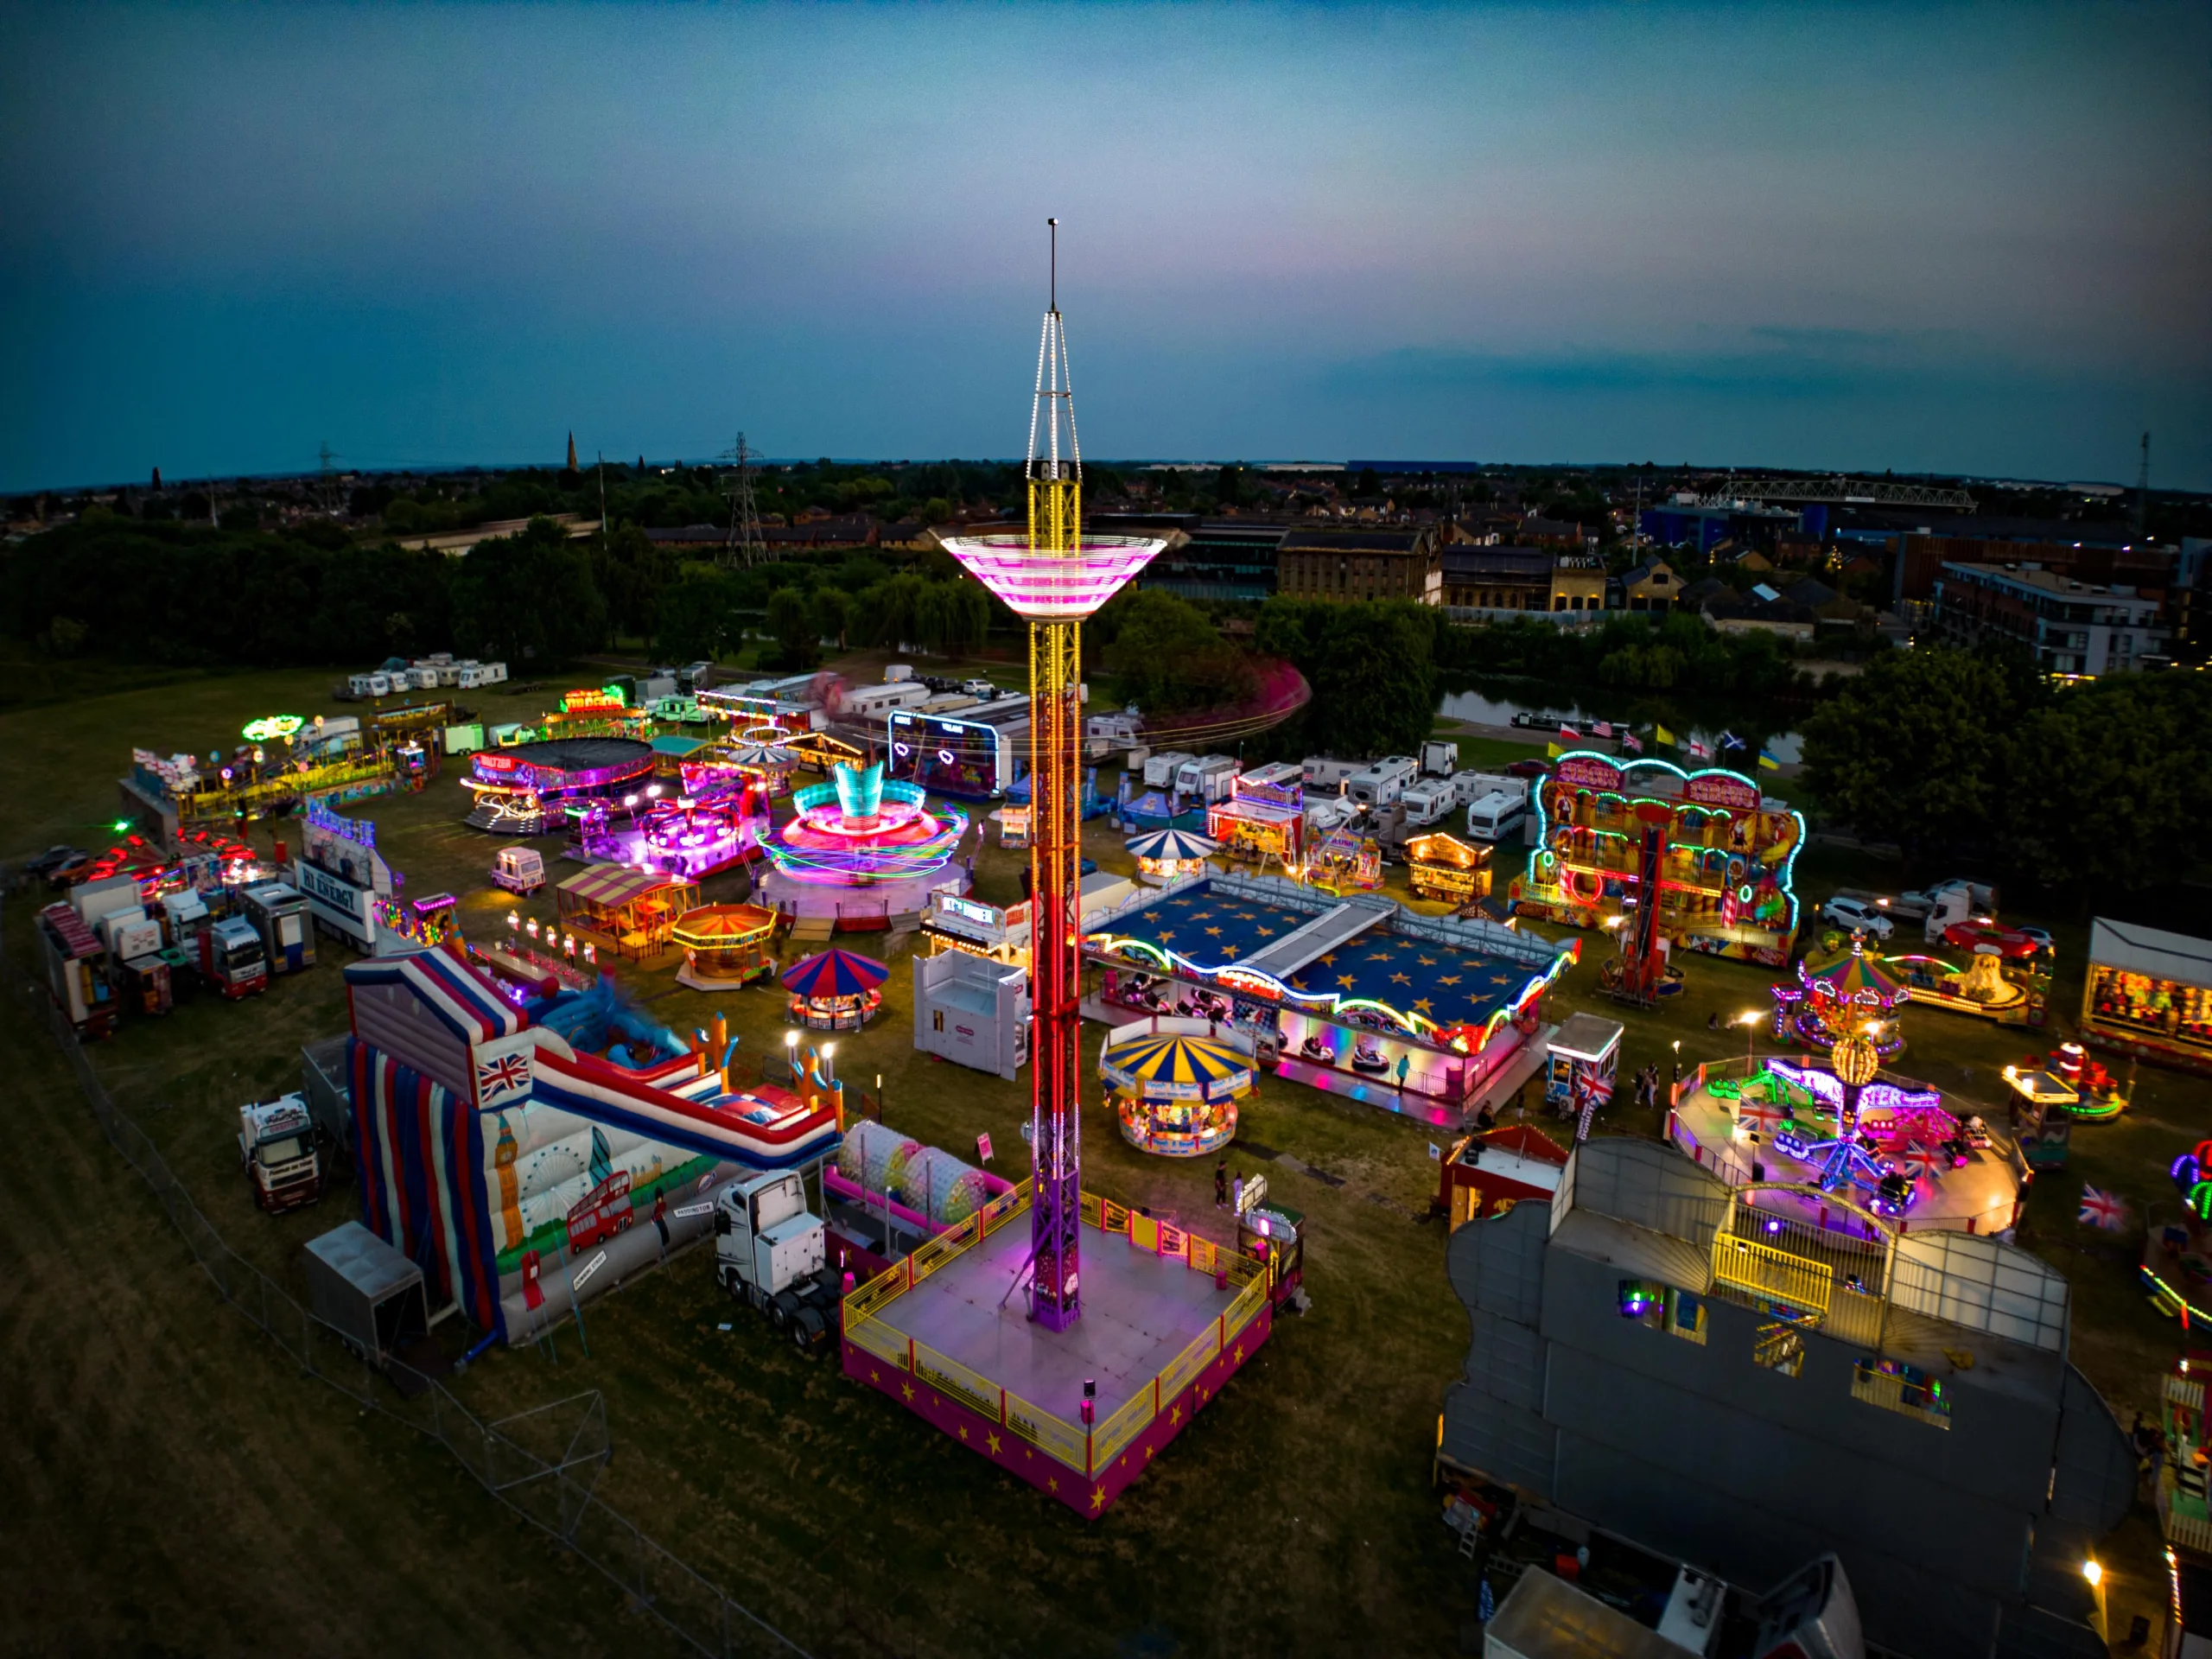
[[1750, 1020], [1678, 1059]]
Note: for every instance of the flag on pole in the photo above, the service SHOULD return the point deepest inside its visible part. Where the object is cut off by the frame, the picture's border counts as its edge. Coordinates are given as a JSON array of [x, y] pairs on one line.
[[1566, 731], [1553, 750], [2100, 1208], [1768, 760], [1701, 751], [1730, 740], [1604, 728], [1631, 743], [1663, 735]]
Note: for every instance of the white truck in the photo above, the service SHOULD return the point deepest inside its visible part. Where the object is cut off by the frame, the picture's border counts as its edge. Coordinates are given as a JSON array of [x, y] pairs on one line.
[[771, 1251], [1439, 758], [1381, 783], [276, 1147]]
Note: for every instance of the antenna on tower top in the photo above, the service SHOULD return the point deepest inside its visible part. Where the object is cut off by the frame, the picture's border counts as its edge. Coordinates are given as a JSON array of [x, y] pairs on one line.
[[1052, 288]]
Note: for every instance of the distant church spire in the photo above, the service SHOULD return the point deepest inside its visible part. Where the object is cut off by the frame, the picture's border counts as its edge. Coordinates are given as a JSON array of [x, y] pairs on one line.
[[572, 452]]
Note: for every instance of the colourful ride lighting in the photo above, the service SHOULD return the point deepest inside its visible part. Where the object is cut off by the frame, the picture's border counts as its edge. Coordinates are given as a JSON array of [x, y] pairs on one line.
[[1049, 587]]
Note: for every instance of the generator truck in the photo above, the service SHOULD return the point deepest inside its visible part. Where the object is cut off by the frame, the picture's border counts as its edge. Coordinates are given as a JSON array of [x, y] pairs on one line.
[[771, 1251]]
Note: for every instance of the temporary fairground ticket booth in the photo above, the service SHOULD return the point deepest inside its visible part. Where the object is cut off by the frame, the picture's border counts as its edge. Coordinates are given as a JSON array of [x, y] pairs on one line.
[[2149, 993], [1584, 1053], [634, 912]]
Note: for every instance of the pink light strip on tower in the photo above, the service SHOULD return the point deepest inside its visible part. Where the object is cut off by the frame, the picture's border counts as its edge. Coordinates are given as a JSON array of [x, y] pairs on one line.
[[1049, 587]]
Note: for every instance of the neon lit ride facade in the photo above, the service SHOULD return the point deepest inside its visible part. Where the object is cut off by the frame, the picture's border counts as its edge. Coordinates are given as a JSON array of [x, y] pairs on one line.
[[1053, 578], [861, 830]]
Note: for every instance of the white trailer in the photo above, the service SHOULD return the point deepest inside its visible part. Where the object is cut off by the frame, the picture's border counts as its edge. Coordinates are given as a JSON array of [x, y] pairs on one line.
[[1207, 778], [1497, 816], [1324, 772], [1160, 769], [1439, 758], [1381, 783], [1428, 801]]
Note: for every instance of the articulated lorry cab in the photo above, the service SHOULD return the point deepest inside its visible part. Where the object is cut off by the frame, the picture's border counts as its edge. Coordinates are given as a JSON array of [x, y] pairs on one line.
[[276, 1145], [771, 1251]]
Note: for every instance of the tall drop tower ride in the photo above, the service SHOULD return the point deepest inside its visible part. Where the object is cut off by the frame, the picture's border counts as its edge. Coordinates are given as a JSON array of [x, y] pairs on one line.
[[1053, 578]]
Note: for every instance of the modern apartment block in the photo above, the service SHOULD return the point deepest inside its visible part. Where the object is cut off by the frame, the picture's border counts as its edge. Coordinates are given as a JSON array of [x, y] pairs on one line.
[[2071, 626], [1734, 1378]]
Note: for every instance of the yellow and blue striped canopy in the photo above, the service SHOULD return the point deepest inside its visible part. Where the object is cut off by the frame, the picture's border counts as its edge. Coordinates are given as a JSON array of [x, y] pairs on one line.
[[1166, 1067]]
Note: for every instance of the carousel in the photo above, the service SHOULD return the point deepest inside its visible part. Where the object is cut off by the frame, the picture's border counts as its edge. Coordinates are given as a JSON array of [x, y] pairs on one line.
[[725, 946], [837, 990], [1849, 995], [1175, 1095], [1170, 854]]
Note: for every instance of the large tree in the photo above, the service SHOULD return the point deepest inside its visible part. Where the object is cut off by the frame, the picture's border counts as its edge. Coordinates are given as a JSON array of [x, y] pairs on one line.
[[1913, 750], [529, 597]]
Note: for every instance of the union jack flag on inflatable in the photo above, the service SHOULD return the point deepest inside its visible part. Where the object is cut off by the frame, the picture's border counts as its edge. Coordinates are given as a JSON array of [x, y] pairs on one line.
[[502, 1075], [2100, 1208]]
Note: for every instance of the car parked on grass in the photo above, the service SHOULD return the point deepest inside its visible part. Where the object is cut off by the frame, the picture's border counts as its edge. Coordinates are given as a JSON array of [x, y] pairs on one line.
[[1857, 915]]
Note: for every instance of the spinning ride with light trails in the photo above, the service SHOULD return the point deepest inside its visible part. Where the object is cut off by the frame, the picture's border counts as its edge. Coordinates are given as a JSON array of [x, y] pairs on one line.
[[860, 830], [980, 1332]]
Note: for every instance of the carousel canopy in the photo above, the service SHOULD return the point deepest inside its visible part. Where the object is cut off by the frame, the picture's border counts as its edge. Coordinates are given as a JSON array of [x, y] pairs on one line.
[[711, 926], [835, 973], [1164, 845], [1854, 978], [1170, 1067], [762, 758]]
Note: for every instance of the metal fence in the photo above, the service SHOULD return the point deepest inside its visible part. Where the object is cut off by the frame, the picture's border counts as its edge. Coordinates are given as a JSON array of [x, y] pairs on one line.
[[543, 1464]]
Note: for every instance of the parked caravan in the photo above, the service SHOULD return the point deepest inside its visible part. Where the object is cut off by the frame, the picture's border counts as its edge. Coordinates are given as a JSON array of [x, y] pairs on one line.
[[1328, 774], [1160, 770], [1496, 817], [1381, 783], [1207, 778]]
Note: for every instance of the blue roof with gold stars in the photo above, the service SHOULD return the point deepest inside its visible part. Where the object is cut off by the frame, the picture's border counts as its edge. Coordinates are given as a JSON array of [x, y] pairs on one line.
[[1449, 984]]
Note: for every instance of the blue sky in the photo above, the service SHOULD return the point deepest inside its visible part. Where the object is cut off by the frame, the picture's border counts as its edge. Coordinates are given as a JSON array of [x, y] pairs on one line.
[[1974, 238]]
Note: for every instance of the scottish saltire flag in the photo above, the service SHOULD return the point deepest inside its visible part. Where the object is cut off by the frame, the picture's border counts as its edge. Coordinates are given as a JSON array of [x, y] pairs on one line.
[[1768, 760], [1664, 736], [1730, 740], [2100, 1208]]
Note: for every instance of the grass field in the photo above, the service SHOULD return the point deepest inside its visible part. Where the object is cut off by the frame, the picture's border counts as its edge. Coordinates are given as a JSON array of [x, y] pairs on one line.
[[164, 1446]]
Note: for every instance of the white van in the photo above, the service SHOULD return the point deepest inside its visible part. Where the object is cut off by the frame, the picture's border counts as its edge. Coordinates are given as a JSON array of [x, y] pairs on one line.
[[1160, 770], [1207, 779], [1497, 816], [1381, 783]]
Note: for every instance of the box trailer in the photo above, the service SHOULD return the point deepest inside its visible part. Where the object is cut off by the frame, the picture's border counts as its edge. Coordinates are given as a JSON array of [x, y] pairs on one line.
[[367, 1292]]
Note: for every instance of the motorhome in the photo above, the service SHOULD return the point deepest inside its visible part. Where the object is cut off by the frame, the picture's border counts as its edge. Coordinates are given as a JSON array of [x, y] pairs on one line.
[[1328, 774], [1160, 769], [1207, 778]]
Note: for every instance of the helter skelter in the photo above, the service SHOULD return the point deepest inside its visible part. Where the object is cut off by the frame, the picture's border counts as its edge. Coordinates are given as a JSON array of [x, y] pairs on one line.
[[1052, 578]]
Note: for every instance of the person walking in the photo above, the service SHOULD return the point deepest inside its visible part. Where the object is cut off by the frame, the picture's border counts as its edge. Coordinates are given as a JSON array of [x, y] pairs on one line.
[[1221, 1185]]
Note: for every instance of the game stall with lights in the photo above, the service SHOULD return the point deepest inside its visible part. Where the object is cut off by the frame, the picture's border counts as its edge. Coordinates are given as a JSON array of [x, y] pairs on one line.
[[286, 762], [2149, 994], [1165, 856], [1580, 1058], [1887, 1144], [1342, 860], [632, 912], [1262, 821], [836, 990], [860, 849], [1174, 1086], [1717, 854], [1070, 1351], [1445, 868], [725, 946], [1431, 1016]]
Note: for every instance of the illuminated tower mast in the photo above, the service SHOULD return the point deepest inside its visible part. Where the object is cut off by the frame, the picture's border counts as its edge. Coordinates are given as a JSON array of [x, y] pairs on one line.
[[1053, 578]]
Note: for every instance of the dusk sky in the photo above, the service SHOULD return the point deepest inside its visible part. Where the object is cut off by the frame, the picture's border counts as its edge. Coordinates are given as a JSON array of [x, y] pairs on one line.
[[1975, 239]]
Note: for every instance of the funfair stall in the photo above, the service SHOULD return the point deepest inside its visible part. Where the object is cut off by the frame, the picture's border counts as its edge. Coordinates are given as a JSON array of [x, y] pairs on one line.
[[725, 946], [837, 990], [1718, 855], [634, 911], [973, 1010], [1173, 1088], [2149, 993], [1262, 819], [1443, 867]]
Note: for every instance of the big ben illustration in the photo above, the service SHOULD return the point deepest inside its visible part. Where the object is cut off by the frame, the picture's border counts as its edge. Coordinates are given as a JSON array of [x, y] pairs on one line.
[[502, 1159]]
